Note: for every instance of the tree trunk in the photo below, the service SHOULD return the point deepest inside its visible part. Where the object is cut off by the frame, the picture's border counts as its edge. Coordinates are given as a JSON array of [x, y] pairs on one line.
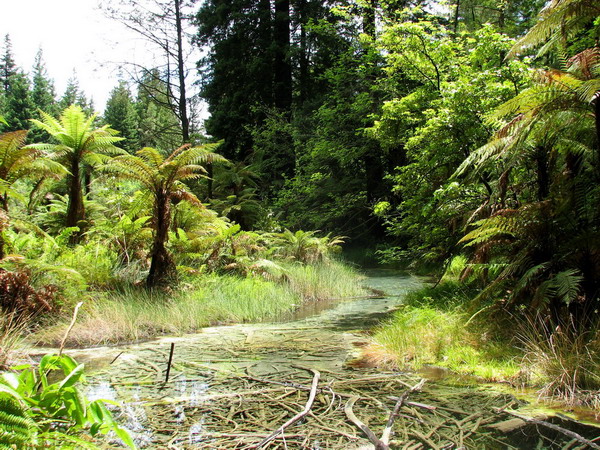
[[543, 180], [210, 172], [3, 226], [162, 268], [183, 112], [303, 79], [87, 177], [368, 24], [456, 13], [596, 105], [282, 70], [75, 208]]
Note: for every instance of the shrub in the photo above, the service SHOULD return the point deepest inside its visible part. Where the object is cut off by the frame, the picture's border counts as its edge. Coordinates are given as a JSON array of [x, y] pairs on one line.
[[17, 295]]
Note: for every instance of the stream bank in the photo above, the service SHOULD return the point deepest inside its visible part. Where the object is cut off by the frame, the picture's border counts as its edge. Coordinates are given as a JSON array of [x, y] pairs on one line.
[[232, 386]]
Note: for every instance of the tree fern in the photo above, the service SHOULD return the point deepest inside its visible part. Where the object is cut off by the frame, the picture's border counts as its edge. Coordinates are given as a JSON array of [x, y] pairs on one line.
[[77, 144], [559, 20], [164, 178]]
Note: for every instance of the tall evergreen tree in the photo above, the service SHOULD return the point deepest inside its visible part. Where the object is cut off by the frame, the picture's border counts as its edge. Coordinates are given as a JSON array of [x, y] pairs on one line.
[[8, 68], [19, 106], [239, 67], [121, 115], [43, 94]]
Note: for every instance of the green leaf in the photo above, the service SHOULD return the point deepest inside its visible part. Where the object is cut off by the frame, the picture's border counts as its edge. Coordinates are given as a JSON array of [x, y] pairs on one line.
[[73, 377]]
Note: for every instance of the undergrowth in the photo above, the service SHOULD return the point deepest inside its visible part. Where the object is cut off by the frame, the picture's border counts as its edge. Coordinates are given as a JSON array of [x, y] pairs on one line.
[[441, 326]]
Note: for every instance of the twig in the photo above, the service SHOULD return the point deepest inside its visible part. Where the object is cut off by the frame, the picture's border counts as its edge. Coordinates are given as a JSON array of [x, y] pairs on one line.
[[115, 358], [64, 340], [363, 427], [170, 361], [385, 436], [423, 439], [297, 417]]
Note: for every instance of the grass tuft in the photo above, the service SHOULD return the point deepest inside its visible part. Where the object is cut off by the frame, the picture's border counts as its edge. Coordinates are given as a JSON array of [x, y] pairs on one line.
[[12, 329], [135, 314], [433, 328], [562, 362]]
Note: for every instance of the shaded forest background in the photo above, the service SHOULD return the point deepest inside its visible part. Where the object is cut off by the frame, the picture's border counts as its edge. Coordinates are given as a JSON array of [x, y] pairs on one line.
[[423, 130]]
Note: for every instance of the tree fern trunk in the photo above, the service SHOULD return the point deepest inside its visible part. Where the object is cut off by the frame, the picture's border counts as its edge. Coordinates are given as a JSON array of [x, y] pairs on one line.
[[162, 267], [75, 208]]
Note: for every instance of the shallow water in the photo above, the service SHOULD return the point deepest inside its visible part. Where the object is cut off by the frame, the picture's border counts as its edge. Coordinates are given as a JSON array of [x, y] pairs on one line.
[[215, 373]]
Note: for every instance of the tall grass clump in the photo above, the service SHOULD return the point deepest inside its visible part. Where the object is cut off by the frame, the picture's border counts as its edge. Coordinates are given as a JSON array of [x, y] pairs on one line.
[[325, 280], [134, 314], [12, 329], [418, 335], [563, 363], [435, 327]]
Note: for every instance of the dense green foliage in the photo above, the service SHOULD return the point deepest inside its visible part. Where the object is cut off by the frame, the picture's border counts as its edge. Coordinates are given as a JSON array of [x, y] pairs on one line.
[[38, 413], [433, 131]]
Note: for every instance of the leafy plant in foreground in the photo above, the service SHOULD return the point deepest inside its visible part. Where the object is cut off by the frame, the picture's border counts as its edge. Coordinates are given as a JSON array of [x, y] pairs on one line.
[[37, 413]]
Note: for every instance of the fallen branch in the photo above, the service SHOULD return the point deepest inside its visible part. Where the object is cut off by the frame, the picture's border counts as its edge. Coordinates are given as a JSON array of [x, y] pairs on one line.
[[297, 417], [64, 340], [562, 430], [385, 436], [379, 445]]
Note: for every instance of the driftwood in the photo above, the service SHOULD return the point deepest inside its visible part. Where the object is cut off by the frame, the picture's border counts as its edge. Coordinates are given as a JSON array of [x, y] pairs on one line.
[[384, 442], [362, 426], [216, 406], [385, 437], [297, 417]]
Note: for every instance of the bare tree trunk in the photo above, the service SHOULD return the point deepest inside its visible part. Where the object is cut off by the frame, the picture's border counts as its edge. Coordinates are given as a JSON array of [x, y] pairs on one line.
[[543, 180], [303, 63], [183, 112], [596, 105], [3, 226], [282, 69], [456, 12]]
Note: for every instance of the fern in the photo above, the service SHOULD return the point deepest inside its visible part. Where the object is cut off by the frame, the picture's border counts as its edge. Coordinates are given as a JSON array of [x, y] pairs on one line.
[[17, 429]]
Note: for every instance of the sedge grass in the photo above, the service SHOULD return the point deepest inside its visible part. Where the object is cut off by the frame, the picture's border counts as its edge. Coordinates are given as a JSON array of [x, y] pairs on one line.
[[562, 362], [324, 280], [134, 314], [433, 328], [12, 329]]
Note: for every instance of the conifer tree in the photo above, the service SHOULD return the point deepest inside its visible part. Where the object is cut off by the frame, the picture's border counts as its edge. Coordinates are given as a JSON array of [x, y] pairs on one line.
[[120, 113], [43, 94], [19, 107], [8, 68]]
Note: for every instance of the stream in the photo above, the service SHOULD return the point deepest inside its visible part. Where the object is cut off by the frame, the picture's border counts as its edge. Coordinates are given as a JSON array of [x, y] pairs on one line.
[[233, 386]]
